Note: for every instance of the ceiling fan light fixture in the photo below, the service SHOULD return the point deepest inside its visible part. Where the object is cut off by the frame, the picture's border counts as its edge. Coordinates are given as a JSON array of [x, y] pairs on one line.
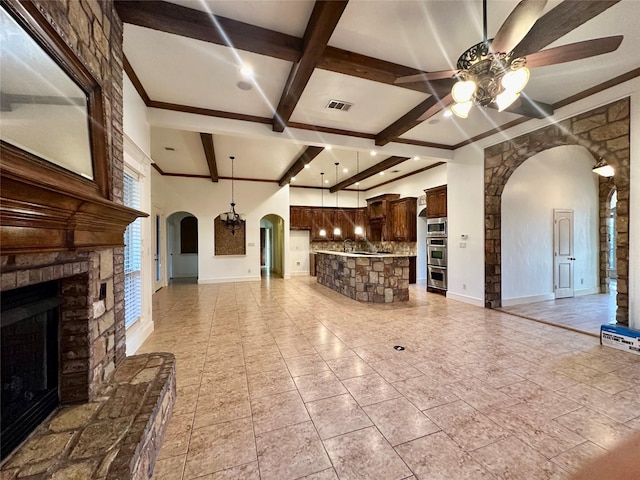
[[603, 169], [463, 91], [515, 80], [506, 98], [462, 109]]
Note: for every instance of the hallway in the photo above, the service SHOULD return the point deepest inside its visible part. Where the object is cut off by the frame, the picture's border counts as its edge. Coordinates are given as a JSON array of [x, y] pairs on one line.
[[285, 379]]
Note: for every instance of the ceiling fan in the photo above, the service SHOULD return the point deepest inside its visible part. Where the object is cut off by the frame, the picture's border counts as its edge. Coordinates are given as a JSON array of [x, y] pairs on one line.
[[493, 72]]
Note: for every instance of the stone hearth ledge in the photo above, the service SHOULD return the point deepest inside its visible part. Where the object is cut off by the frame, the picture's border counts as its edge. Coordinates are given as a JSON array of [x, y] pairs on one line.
[[376, 278], [115, 437]]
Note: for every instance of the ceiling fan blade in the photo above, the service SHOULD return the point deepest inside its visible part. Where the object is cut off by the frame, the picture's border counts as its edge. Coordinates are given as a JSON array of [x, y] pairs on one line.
[[426, 77], [517, 25], [574, 51], [559, 21]]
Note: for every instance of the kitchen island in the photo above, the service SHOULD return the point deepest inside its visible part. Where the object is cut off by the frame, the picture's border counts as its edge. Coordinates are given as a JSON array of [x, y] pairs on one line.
[[363, 276]]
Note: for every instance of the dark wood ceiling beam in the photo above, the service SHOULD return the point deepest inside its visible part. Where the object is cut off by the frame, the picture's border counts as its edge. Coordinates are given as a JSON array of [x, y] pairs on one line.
[[369, 172], [305, 157], [323, 21], [416, 116], [369, 68], [210, 154], [187, 22], [135, 80]]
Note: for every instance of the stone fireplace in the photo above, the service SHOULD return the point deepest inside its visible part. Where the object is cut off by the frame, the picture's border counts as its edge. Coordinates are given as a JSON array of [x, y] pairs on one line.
[[63, 231]]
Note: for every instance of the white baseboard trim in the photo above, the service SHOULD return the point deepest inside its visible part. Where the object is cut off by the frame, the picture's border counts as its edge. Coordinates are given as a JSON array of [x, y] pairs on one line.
[[137, 334], [478, 302], [586, 291], [509, 302], [300, 274], [252, 278]]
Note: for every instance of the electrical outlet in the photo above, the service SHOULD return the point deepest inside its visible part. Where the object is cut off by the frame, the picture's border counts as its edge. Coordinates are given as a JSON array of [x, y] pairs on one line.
[[464, 286], [582, 281], [249, 270], [298, 264]]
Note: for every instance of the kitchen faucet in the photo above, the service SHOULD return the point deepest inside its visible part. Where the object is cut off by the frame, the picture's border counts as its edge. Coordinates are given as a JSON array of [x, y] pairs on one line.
[[344, 244]]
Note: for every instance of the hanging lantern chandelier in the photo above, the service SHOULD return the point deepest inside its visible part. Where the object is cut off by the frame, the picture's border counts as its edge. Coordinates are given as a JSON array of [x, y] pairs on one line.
[[232, 220]]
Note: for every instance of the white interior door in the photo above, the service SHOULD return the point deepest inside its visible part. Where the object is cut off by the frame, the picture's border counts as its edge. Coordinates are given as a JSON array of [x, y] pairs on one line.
[[563, 253]]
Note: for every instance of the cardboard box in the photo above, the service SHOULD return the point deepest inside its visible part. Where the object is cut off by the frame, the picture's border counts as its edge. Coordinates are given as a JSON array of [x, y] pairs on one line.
[[621, 338]]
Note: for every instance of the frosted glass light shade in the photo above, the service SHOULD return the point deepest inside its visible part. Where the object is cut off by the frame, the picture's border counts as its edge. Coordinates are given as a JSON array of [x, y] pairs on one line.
[[462, 109], [322, 232], [603, 169], [505, 99], [462, 91], [359, 230], [515, 80], [336, 232]]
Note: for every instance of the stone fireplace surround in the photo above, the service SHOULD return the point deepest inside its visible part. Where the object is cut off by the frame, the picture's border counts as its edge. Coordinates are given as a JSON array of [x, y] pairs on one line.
[[114, 409]]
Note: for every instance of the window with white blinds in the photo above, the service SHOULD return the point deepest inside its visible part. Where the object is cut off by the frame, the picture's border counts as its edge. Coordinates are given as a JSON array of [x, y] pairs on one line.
[[132, 254]]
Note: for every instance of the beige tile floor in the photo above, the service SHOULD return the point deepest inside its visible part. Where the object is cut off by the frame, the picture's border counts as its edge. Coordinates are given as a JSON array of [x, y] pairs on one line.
[[286, 379], [584, 314]]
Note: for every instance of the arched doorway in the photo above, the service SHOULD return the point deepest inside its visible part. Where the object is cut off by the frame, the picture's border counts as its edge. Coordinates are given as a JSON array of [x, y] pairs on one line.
[[530, 262], [272, 246], [605, 133], [182, 247]]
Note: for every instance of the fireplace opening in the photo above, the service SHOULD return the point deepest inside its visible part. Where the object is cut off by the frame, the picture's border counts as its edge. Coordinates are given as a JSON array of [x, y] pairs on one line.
[[29, 360]]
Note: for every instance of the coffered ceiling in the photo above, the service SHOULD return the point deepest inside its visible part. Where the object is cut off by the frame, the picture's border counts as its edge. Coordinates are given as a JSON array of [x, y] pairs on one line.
[[185, 58]]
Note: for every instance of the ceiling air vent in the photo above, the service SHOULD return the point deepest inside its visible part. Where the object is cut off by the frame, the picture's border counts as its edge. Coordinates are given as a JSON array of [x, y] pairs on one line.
[[339, 105]]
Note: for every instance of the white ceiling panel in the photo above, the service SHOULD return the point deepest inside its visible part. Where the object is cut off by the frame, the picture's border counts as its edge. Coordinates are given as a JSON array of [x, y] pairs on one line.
[[190, 72], [375, 105], [254, 158], [290, 17], [178, 151]]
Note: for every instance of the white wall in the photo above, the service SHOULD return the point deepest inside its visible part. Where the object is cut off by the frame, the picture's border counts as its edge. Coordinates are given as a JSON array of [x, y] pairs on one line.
[[559, 178], [465, 216], [312, 197], [137, 158], [299, 252], [205, 200]]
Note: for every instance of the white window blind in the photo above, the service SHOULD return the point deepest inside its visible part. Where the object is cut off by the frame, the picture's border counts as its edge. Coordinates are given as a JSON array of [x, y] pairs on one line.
[[132, 254]]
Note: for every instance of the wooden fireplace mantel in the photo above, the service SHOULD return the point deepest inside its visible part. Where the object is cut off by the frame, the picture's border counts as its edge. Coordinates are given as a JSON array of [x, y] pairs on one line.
[[44, 208]]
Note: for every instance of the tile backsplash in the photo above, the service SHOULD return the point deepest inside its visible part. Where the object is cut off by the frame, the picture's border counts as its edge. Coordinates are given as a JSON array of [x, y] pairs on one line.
[[403, 248]]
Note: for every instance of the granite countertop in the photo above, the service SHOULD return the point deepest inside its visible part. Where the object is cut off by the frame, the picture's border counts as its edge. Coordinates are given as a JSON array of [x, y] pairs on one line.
[[363, 254]]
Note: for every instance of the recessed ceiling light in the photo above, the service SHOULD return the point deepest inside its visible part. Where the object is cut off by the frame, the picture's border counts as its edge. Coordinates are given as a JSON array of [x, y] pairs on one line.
[[447, 113], [244, 85], [373, 153], [345, 170], [293, 179], [357, 183], [326, 181], [328, 147], [246, 71], [381, 173], [306, 165], [416, 158]]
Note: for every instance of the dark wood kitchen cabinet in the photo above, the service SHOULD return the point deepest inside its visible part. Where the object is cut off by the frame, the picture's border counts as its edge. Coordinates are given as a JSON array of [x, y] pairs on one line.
[[403, 219], [436, 201], [323, 218], [300, 218], [379, 213]]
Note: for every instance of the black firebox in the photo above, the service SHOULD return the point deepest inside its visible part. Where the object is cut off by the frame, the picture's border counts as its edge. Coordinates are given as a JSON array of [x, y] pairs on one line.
[[30, 364]]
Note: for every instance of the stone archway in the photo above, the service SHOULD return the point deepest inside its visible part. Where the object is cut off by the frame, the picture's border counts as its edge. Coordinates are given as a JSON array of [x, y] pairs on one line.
[[603, 131]]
